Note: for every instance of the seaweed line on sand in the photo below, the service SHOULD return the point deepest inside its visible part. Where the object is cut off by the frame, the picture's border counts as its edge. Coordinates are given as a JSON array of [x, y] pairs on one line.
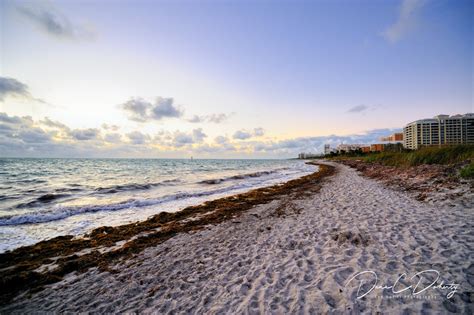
[[20, 268]]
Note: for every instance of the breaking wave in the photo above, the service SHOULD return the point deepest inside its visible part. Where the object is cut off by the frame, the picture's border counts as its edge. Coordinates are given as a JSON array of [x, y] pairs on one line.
[[63, 212], [236, 177]]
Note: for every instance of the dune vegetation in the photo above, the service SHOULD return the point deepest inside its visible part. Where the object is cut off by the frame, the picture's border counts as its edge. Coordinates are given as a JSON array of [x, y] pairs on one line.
[[427, 155]]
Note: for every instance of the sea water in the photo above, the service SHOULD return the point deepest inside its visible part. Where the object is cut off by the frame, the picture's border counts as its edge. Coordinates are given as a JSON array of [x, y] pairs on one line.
[[45, 198]]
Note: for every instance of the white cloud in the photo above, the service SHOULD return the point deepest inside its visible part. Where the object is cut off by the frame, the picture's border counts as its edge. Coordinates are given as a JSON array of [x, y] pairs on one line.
[[52, 21], [110, 127], [138, 109], [406, 20], [85, 134], [183, 138], [242, 135], [213, 118], [198, 135], [113, 137], [180, 139], [136, 137], [196, 119], [221, 140], [258, 132], [217, 118], [164, 108], [10, 87], [358, 109]]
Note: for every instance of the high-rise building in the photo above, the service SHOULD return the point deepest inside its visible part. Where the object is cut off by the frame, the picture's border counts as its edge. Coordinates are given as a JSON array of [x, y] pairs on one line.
[[327, 149], [439, 130]]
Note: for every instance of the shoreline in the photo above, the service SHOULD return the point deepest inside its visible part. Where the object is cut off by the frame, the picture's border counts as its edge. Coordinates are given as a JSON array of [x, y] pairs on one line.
[[31, 267]]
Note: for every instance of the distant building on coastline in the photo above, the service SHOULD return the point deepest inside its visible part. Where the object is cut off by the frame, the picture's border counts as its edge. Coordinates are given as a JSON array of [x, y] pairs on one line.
[[367, 148], [327, 149], [439, 130], [396, 137], [347, 147], [303, 156]]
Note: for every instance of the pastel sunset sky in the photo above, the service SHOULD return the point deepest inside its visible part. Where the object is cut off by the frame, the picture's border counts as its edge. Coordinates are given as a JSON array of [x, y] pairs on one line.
[[225, 79]]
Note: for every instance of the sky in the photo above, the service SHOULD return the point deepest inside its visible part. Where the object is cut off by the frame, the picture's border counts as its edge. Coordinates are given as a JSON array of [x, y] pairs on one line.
[[225, 79]]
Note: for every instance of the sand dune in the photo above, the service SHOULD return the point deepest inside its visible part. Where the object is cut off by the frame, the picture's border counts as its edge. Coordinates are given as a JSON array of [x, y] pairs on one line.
[[292, 256]]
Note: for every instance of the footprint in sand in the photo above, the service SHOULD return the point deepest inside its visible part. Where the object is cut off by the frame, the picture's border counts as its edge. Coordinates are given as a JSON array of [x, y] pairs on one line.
[[329, 300], [448, 253], [342, 275], [409, 259], [391, 266]]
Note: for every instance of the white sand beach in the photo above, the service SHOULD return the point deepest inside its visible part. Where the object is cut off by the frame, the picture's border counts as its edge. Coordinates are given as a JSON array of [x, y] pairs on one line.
[[300, 261]]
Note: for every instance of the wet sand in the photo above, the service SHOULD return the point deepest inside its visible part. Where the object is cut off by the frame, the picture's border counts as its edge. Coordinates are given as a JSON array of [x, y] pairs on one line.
[[293, 254]]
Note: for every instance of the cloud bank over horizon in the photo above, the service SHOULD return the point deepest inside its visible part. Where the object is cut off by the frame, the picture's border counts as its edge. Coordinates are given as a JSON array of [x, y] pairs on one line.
[[25, 137]]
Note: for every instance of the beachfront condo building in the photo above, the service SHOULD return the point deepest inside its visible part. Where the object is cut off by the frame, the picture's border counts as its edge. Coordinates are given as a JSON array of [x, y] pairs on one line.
[[439, 130], [396, 137]]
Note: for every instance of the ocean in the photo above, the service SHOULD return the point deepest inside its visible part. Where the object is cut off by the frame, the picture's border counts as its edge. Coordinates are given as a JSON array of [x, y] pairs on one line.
[[45, 198]]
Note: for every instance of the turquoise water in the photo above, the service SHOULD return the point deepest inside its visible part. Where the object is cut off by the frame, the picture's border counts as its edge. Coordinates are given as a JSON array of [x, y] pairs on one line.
[[44, 198]]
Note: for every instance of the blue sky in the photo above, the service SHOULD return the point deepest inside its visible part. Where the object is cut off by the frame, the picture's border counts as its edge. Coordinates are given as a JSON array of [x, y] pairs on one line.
[[226, 78]]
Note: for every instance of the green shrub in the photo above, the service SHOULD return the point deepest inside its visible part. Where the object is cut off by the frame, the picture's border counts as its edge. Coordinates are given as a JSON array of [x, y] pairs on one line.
[[427, 155], [467, 171]]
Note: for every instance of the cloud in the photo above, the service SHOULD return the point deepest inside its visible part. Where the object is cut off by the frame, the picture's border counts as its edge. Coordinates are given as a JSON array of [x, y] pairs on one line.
[[53, 22], [12, 87], [85, 134], [258, 132], [213, 118], [113, 137], [217, 118], [34, 135], [140, 110], [110, 127], [198, 135], [10, 119], [19, 136], [137, 109], [358, 109], [406, 20], [182, 138], [54, 124], [136, 137], [242, 135], [221, 140], [23, 136], [196, 119], [164, 108]]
